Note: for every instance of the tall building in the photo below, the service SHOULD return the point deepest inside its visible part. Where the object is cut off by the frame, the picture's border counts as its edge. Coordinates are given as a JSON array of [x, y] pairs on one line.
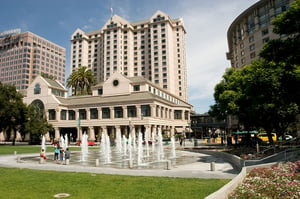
[[153, 48], [252, 29], [24, 55]]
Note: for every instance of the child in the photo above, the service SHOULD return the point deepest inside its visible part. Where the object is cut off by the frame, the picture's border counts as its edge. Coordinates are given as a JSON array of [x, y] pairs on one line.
[[42, 154]]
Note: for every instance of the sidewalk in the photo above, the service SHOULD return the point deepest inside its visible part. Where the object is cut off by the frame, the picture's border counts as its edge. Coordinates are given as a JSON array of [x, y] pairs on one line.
[[201, 168]]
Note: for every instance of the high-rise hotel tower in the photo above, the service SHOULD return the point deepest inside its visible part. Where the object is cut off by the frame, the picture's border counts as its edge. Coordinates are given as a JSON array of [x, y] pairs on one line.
[[24, 55], [153, 48]]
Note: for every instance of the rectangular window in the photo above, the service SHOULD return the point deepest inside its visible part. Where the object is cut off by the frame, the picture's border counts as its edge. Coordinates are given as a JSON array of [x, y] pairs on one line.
[[63, 115], [105, 113], [118, 112], [94, 113], [178, 114]]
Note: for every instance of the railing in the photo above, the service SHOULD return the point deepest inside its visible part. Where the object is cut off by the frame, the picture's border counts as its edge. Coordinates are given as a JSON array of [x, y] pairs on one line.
[[292, 143]]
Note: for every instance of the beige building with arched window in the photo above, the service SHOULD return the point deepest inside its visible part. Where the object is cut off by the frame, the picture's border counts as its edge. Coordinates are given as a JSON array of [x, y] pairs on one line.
[[117, 105]]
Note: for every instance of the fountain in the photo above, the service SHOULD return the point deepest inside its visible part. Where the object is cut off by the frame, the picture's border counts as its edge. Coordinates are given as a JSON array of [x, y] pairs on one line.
[[105, 150], [43, 144], [173, 151], [84, 148], [129, 152]]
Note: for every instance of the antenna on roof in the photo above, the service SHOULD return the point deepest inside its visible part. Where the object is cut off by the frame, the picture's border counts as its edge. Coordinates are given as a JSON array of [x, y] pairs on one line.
[[111, 11]]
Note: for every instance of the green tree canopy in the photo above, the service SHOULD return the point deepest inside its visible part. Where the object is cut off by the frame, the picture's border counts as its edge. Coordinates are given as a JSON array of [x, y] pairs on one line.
[[12, 110], [36, 124], [260, 95], [81, 80]]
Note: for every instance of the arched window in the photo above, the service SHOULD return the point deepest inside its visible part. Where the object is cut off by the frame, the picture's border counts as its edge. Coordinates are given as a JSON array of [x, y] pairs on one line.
[[37, 89]]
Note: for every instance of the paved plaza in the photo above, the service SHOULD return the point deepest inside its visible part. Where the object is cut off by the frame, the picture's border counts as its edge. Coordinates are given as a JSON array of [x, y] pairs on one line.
[[200, 168]]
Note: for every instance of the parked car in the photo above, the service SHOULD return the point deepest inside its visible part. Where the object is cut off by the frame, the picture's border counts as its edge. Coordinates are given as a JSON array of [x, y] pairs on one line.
[[90, 143], [264, 137], [288, 137]]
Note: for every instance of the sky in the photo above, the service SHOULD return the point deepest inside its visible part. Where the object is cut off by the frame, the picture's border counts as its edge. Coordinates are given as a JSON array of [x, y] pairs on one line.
[[206, 23]]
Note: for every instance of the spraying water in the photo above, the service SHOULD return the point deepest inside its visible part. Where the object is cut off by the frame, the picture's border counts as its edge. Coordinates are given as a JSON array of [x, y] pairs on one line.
[[160, 148], [84, 147], [173, 151], [44, 143]]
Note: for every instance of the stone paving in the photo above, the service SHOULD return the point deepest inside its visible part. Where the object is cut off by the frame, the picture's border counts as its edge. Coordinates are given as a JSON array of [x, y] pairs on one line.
[[201, 168]]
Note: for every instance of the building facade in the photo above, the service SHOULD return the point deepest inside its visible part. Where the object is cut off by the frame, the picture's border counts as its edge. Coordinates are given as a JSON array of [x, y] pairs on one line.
[[153, 48], [252, 29], [118, 106], [24, 55]]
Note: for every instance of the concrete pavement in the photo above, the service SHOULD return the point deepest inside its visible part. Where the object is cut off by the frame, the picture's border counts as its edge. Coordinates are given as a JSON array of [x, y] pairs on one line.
[[201, 168]]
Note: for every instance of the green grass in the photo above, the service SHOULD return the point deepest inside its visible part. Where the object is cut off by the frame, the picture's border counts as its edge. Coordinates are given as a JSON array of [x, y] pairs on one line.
[[21, 149], [27, 183]]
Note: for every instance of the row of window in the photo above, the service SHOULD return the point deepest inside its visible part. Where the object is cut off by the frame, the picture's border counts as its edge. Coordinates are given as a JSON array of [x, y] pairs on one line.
[[106, 113]]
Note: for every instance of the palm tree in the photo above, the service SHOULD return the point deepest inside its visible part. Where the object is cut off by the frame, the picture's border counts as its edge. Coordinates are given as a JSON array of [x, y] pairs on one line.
[[82, 79]]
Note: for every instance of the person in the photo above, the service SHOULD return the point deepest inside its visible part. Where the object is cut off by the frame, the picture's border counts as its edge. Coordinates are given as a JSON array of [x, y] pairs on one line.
[[180, 141], [42, 154], [67, 155], [56, 152], [61, 154]]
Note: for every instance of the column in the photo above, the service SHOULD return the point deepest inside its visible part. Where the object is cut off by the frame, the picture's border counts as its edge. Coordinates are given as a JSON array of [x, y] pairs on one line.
[[88, 114], [125, 115], [76, 114], [79, 133], [158, 111], [56, 134], [118, 131], [57, 114], [99, 114], [154, 132], [138, 111], [91, 133], [112, 113], [153, 110], [148, 130]]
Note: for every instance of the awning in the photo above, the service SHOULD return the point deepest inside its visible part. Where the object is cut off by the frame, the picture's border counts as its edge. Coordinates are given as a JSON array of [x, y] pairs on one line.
[[245, 132], [179, 130]]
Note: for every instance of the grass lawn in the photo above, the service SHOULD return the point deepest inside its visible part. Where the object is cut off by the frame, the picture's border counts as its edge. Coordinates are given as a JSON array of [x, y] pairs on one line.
[[27, 183], [21, 149]]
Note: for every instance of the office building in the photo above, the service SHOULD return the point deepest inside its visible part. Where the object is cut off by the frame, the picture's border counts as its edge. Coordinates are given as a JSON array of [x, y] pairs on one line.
[[252, 29], [24, 55]]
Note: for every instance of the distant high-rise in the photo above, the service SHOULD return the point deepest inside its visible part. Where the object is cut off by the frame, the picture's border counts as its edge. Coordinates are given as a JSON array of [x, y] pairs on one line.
[[24, 55], [252, 29], [153, 48]]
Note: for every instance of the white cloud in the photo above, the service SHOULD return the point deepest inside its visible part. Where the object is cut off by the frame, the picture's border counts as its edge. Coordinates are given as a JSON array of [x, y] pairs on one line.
[[206, 42]]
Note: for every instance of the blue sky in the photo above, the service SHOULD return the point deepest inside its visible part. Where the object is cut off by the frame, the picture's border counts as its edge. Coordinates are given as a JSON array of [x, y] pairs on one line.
[[206, 23]]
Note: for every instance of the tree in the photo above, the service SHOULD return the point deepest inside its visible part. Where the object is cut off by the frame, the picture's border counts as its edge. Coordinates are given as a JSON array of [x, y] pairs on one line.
[[259, 94], [82, 80], [12, 110], [36, 124]]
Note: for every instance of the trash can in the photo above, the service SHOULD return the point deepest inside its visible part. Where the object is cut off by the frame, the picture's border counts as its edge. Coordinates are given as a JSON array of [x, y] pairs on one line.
[[195, 142]]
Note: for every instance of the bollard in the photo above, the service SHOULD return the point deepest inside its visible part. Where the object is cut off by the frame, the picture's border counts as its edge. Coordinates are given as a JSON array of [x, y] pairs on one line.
[[42, 161], [130, 164], [67, 161], [212, 166], [169, 165], [97, 162]]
